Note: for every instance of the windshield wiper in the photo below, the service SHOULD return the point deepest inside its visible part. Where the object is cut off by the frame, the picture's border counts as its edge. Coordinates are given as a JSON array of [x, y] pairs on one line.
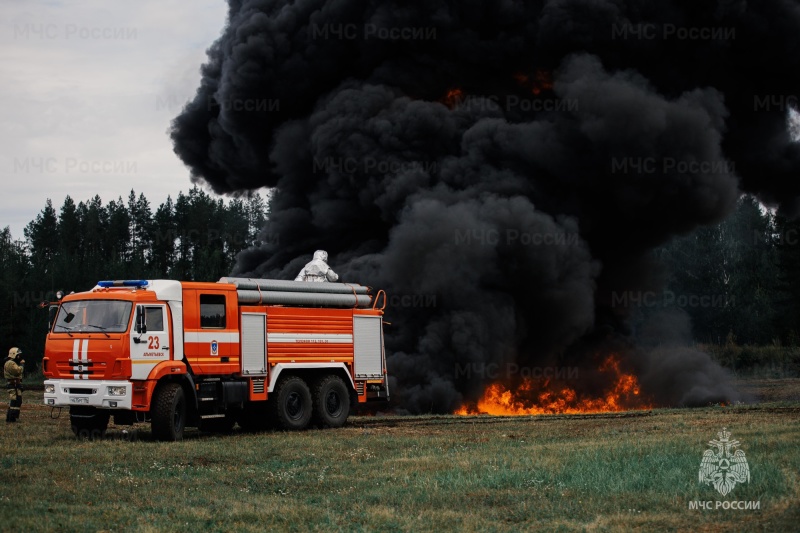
[[66, 330], [101, 328]]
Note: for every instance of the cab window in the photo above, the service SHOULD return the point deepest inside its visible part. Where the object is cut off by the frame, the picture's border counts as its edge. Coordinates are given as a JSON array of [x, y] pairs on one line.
[[212, 311], [154, 318]]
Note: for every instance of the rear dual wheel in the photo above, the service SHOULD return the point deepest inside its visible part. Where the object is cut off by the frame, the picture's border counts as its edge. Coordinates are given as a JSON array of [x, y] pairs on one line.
[[331, 402], [291, 406]]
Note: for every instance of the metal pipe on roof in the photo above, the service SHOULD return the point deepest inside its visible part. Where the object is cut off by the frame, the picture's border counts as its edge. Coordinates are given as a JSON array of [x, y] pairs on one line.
[[295, 286], [314, 299]]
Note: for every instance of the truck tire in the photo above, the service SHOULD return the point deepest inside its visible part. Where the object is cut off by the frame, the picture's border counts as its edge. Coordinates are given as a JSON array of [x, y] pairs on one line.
[[88, 423], [291, 404], [331, 402], [168, 412]]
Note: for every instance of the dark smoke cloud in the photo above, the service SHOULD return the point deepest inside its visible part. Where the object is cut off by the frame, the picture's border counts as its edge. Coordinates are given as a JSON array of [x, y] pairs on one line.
[[518, 223], [677, 373]]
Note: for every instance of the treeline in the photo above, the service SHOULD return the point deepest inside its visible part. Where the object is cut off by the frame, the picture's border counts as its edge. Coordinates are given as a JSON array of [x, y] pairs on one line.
[[195, 237], [739, 280]]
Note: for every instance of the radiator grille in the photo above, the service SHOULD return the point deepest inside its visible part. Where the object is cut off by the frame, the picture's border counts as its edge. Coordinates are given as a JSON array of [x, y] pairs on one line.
[[74, 390]]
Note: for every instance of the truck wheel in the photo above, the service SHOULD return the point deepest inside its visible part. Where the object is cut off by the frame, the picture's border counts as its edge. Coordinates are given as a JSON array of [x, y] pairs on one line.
[[168, 412], [331, 402], [88, 423], [291, 405]]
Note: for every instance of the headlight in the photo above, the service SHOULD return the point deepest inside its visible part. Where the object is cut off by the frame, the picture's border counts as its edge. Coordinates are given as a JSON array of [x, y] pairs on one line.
[[49, 389], [116, 391]]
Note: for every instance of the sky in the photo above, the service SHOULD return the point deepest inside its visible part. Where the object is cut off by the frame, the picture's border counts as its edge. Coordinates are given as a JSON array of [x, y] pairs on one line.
[[89, 90]]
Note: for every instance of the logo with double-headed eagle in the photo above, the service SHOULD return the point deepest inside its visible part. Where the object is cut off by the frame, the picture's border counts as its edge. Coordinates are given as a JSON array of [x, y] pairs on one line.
[[722, 466]]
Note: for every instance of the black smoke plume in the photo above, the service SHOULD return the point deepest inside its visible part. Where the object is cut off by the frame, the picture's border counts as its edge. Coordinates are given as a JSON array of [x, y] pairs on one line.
[[502, 168]]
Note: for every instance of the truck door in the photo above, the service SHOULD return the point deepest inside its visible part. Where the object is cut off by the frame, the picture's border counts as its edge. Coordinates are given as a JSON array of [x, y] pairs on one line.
[[152, 346]]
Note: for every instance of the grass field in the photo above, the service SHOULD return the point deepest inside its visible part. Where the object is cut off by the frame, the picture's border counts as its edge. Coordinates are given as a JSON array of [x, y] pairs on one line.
[[629, 471]]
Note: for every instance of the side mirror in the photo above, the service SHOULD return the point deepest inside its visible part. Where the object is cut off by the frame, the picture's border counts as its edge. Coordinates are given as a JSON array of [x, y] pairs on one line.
[[141, 320]]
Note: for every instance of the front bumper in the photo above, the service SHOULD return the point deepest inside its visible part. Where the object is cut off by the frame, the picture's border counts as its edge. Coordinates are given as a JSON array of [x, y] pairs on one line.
[[87, 393]]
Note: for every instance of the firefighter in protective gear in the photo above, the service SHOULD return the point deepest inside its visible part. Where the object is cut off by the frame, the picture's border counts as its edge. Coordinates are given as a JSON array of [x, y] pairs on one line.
[[13, 373], [317, 269]]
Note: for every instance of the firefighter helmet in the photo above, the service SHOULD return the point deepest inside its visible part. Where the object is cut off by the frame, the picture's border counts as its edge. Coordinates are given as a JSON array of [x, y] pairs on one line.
[[14, 352]]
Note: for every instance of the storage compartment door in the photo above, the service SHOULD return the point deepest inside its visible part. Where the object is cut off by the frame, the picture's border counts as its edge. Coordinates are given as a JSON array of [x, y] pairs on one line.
[[254, 344], [368, 347]]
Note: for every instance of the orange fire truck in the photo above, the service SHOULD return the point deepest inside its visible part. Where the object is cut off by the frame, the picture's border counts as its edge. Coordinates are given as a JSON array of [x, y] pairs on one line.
[[201, 354]]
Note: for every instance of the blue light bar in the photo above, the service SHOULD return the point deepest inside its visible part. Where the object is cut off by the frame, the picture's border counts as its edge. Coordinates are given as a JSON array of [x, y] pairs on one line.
[[123, 283]]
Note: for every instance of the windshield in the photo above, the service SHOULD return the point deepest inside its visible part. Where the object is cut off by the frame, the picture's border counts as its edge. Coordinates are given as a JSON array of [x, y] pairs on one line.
[[110, 316]]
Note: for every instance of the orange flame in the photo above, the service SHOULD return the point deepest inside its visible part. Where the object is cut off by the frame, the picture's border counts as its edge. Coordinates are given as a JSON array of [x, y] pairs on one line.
[[542, 81], [453, 98], [536, 398]]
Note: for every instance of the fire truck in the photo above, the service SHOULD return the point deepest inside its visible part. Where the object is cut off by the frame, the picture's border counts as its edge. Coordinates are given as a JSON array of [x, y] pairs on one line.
[[260, 353]]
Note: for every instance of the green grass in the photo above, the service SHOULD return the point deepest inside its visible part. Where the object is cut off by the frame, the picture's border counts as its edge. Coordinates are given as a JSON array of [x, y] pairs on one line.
[[568, 473], [33, 380], [773, 361]]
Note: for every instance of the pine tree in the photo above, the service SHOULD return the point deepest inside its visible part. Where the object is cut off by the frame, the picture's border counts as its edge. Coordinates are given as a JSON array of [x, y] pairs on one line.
[[140, 229], [95, 229], [42, 235], [257, 213], [164, 236], [15, 295], [118, 236], [183, 260], [786, 239]]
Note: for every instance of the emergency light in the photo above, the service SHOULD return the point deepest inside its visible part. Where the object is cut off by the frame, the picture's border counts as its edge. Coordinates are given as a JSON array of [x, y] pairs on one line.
[[124, 283]]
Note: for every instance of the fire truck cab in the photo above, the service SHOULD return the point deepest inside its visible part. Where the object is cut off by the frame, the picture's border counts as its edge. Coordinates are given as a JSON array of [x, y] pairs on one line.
[[211, 355]]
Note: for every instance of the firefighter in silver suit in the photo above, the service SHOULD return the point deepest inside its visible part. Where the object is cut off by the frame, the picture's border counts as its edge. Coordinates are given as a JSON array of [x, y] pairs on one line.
[[317, 269], [12, 370]]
